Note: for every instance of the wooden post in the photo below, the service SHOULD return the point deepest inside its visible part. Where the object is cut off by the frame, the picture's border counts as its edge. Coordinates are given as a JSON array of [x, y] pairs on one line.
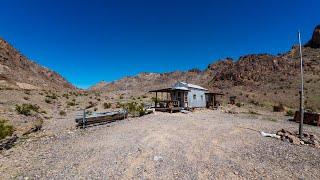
[[156, 100], [301, 90], [84, 119]]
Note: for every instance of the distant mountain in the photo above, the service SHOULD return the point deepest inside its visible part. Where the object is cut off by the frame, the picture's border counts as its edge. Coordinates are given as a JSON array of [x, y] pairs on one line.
[[98, 86], [143, 82], [17, 71], [261, 79]]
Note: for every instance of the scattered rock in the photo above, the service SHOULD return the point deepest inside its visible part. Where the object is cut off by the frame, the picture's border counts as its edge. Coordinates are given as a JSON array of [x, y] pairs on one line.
[[158, 158], [308, 139]]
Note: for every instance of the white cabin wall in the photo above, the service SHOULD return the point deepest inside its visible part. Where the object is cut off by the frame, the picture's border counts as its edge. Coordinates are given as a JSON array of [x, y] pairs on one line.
[[198, 102]]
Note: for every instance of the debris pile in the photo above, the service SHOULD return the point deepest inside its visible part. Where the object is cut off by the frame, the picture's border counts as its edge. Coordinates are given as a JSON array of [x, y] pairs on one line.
[[308, 139], [8, 142]]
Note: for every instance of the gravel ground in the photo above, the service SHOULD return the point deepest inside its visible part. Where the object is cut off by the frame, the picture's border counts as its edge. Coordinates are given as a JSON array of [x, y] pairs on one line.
[[201, 145]]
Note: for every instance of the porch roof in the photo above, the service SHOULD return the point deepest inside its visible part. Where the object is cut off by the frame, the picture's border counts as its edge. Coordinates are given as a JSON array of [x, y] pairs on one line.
[[215, 93], [170, 89]]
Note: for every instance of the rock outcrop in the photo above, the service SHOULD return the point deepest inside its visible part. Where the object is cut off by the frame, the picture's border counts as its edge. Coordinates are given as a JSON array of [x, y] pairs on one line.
[[315, 40]]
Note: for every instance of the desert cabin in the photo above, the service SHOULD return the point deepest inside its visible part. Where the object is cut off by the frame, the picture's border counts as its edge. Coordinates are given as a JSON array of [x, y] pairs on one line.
[[184, 95]]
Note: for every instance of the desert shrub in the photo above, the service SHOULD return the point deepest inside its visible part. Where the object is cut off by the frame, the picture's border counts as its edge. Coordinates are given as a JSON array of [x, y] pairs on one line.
[[62, 113], [279, 108], [106, 105], [48, 100], [309, 80], [144, 96], [27, 92], [98, 99], [255, 102], [52, 96], [27, 109], [95, 109], [290, 113], [5, 129], [91, 104], [66, 96], [239, 104], [119, 105], [26, 98], [71, 103], [134, 108], [120, 97]]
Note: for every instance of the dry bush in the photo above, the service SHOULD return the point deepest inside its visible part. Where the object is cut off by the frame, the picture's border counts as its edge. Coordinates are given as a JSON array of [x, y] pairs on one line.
[[62, 113], [27, 109], [106, 105], [5, 129]]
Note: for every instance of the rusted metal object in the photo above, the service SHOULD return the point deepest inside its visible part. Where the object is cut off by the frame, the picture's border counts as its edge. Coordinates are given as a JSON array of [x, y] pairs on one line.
[[311, 118]]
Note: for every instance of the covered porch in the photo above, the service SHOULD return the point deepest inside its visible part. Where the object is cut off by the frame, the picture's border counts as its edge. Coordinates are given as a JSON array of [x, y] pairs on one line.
[[170, 99], [212, 99]]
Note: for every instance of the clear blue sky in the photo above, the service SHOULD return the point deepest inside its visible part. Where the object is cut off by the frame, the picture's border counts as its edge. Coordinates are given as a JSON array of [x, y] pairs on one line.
[[89, 41]]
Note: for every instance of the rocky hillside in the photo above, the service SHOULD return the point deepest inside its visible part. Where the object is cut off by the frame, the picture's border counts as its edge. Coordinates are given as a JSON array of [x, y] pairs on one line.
[[143, 82], [17, 71], [261, 79], [315, 40], [98, 86]]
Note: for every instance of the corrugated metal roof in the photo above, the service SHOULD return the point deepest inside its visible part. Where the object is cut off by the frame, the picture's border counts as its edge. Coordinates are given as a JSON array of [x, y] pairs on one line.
[[181, 88], [193, 86]]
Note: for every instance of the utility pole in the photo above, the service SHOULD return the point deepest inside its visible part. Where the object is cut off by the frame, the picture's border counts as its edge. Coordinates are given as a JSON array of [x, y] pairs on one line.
[[301, 90]]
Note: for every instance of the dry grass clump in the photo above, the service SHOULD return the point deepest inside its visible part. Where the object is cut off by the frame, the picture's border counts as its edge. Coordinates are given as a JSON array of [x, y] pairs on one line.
[[27, 109], [106, 105], [134, 108], [5, 129], [62, 113]]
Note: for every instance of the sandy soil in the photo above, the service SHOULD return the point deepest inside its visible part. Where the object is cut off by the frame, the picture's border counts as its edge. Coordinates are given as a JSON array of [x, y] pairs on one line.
[[201, 145]]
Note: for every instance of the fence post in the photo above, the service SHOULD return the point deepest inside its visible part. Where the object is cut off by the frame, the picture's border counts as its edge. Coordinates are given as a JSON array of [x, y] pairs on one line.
[[84, 119]]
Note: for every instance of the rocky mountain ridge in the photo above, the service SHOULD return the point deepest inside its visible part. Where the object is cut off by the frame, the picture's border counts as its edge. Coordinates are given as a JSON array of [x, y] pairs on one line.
[[253, 78], [17, 71]]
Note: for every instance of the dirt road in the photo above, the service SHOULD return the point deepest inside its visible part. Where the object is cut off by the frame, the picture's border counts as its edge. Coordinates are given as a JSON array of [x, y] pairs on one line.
[[200, 145]]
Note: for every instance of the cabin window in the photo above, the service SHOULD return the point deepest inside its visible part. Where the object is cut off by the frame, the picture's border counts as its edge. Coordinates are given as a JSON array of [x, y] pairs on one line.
[[194, 97], [185, 97]]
